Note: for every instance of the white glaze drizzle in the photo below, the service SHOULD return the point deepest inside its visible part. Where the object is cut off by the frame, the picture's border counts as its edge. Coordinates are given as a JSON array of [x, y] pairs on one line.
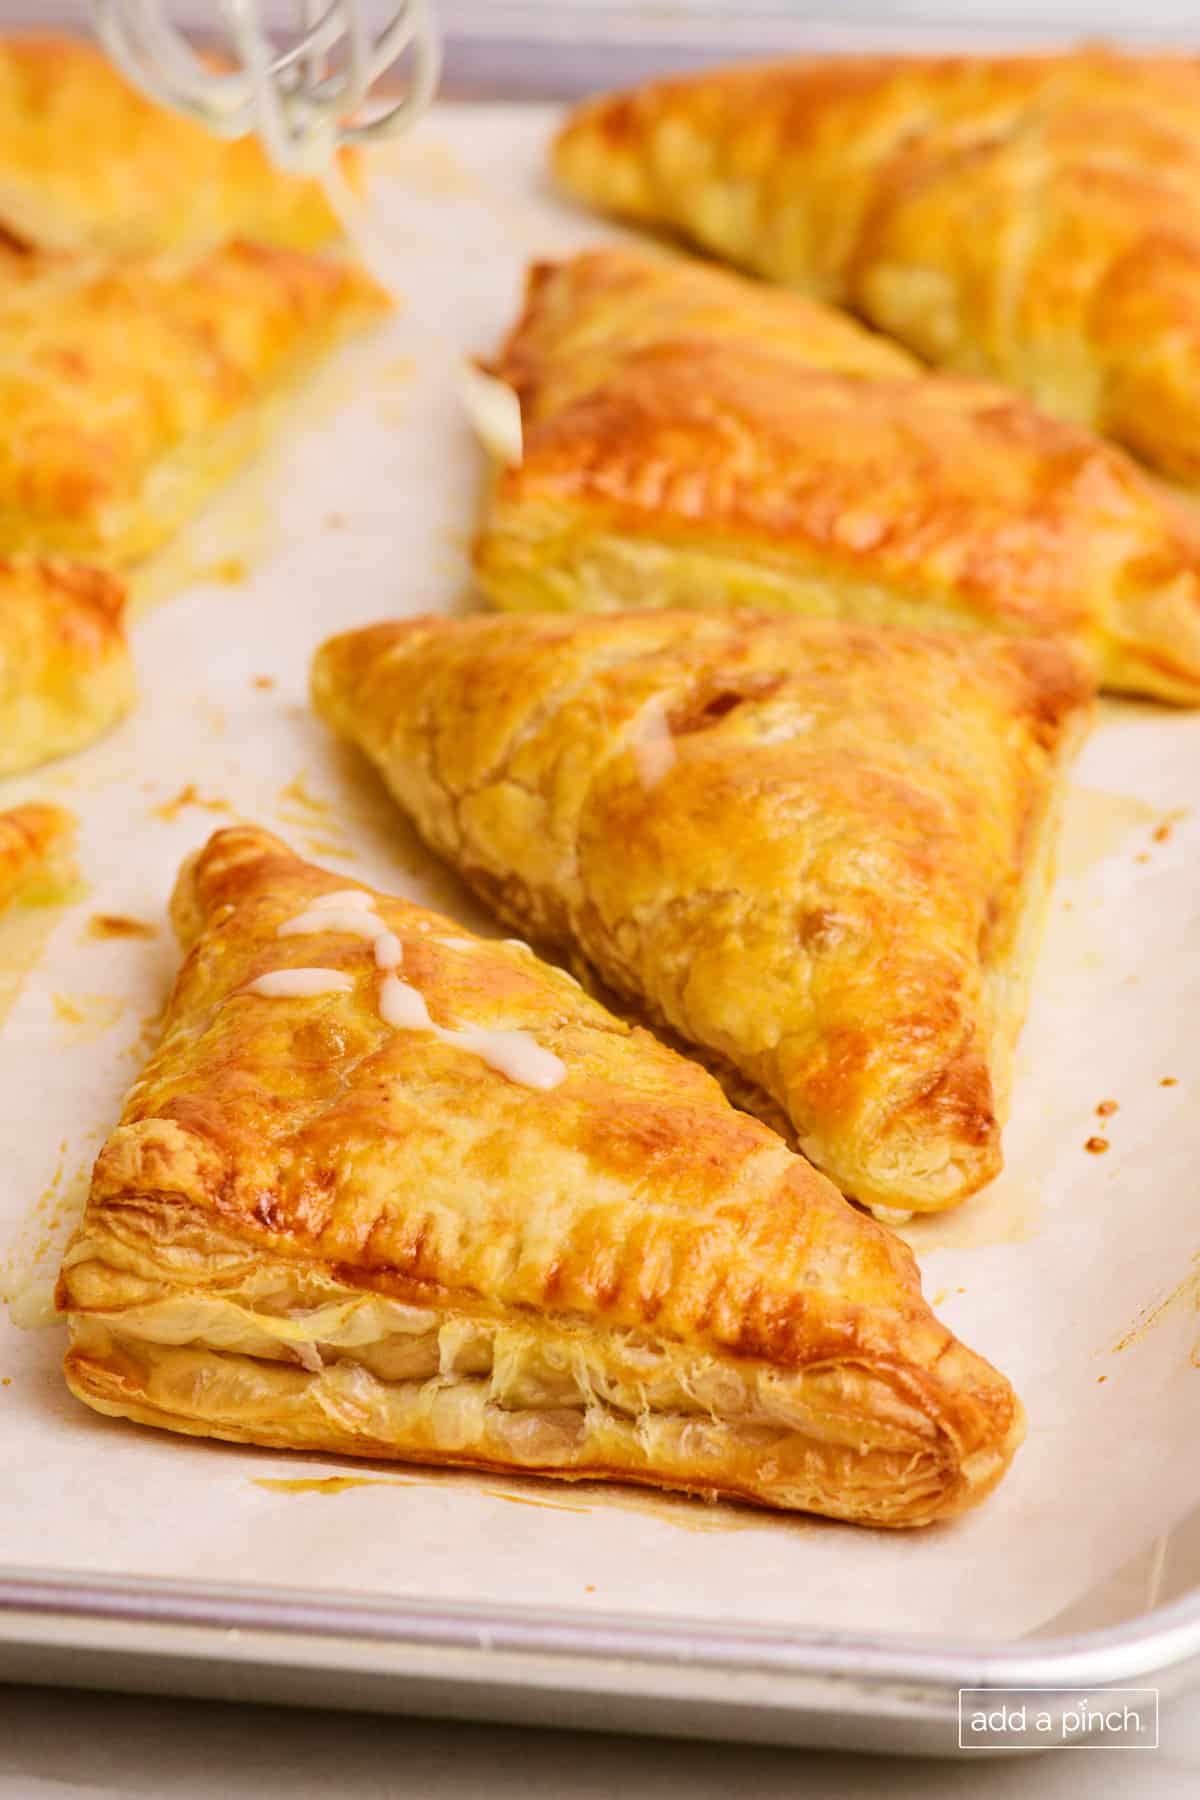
[[403, 1007], [300, 984], [389, 951], [653, 747], [511, 1052], [340, 898], [352, 919]]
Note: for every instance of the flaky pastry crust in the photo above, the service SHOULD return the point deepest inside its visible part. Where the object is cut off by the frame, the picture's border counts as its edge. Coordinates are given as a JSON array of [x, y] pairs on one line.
[[694, 439], [89, 164], [131, 390], [65, 669], [1036, 218], [311, 1231], [36, 852], [818, 853]]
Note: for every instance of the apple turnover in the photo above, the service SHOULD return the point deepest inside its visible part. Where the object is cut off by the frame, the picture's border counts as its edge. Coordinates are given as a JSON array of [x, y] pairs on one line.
[[691, 438], [89, 164], [130, 391], [388, 1189], [1034, 218], [816, 853]]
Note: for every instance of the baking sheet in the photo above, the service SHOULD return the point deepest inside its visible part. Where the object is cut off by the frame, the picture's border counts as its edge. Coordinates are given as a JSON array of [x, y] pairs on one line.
[[1078, 1273]]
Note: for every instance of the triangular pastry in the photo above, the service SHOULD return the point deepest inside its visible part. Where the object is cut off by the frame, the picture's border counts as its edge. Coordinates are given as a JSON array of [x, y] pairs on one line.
[[36, 845], [65, 669], [89, 164], [388, 1189], [1035, 218], [691, 438], [130, 391], [817, 853]]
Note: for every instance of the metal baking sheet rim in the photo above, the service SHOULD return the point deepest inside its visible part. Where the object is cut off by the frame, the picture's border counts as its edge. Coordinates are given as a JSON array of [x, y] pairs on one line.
[[551, 1666]]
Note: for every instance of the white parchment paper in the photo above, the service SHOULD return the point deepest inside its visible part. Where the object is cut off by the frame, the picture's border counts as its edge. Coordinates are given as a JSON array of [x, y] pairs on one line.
[[1077, 1273]]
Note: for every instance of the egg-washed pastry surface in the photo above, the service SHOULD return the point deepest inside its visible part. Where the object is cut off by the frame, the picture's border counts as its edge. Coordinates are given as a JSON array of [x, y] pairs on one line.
[[130, 391], [36, 853], [691, 438], [65, 668], [315, 1229], [88, 163], [817, 853], [1035, 218]]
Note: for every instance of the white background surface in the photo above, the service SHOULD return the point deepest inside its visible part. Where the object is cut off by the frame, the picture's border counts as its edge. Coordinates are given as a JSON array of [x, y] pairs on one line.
[[54, 1746]]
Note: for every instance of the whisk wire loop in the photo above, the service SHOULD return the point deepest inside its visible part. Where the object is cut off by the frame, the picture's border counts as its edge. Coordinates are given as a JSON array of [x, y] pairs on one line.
[[303, 96]]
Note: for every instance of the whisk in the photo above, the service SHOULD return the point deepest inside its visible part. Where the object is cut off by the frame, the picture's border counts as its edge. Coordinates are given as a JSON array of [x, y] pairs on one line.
[[304, 92]]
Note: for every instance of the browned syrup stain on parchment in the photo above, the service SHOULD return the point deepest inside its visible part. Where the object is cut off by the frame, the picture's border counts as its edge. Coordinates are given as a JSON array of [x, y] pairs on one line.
[[1007, 1211], [228, 571], [314, 820], [330, 1484], [688, 1515], [28, 1268], [188, 796], [1098, 824], [1186, 1293], [524, 1500], [86, 1017], [24, 933], [118, 925]]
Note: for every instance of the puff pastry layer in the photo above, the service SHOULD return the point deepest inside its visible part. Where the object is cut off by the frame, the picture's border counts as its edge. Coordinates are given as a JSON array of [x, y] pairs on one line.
[[88, 163], [65, 669], [311, 1231], [129, 391], [1035, 218], [695, 439], [815, 852], [35, 851]]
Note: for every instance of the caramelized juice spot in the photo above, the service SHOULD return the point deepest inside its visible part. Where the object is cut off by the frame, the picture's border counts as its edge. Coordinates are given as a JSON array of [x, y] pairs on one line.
[[328, 1484], [187, 796], [116, 925]]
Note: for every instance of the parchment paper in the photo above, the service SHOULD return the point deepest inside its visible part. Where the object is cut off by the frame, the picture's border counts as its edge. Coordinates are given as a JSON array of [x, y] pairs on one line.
[[1077, 1273]]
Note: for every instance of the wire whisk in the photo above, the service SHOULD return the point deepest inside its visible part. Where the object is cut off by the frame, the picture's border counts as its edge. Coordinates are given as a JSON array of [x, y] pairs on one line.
[[305, 92]]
